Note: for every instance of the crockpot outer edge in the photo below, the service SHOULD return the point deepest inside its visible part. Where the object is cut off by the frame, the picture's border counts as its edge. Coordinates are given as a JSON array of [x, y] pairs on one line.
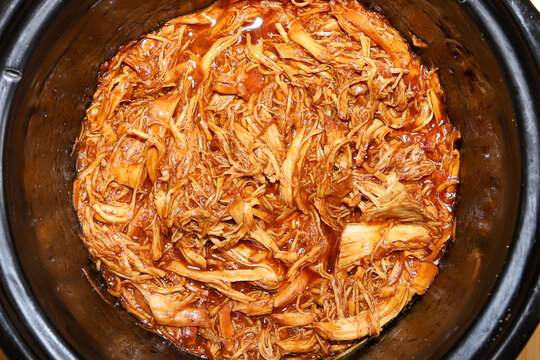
[[511, 26], [8, 9], [26, 331], [518, 331]]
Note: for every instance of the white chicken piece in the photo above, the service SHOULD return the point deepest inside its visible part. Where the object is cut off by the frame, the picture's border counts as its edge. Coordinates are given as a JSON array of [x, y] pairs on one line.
[[363, 241], [128, 162], [175, 309], [361, 325]]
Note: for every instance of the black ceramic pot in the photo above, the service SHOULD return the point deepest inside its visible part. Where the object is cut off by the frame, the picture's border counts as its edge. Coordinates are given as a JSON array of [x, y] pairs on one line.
[[486, 300]]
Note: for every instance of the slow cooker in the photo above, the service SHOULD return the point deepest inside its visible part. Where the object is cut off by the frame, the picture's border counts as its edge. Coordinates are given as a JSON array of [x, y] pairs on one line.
[[485, 302]]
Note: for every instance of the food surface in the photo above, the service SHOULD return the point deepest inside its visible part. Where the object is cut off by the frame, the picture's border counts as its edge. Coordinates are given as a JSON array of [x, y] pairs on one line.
[[267, 179]]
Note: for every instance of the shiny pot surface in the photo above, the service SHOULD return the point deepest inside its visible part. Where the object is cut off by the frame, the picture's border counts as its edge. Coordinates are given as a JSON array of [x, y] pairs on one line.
[[485, 301]]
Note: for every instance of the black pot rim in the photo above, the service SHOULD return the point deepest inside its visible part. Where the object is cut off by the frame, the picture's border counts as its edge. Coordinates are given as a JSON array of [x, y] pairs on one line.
[[511, 313]]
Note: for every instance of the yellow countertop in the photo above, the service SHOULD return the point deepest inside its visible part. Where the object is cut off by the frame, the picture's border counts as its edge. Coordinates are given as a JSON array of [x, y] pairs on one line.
[[532, 350]]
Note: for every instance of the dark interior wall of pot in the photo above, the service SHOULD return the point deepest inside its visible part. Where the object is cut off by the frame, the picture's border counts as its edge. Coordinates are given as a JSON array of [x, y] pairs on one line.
[[57, 86], [46, 116]]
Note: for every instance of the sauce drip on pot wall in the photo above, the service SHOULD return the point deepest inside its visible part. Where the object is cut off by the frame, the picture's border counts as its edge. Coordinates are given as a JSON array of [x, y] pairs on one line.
[[267, 179]]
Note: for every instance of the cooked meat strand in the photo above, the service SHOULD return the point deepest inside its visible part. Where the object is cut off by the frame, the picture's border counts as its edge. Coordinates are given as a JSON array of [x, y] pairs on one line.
[[267, 179]]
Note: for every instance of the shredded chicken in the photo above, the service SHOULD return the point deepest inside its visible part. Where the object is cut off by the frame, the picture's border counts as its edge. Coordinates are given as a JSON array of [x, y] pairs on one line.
[[267, 179]]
